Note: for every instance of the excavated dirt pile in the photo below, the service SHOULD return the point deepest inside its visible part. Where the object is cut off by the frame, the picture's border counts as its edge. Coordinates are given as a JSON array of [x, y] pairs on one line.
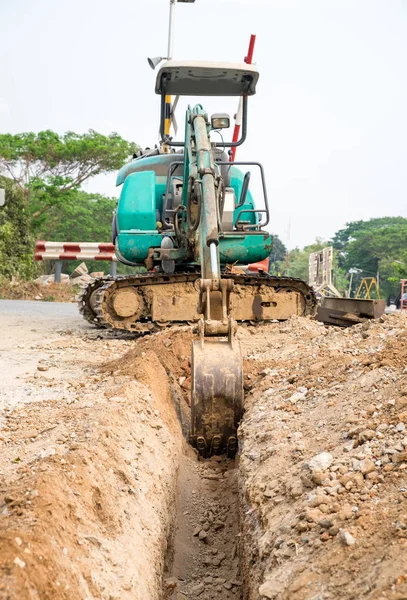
[[102, 499], [323, 463], [88, 478]]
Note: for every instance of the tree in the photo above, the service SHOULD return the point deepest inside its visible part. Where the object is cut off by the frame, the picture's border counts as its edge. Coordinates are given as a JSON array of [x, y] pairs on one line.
[[381, 250], [50, 168], [16, 245], [355, 229], [375, 246], [86, 218], [297, 261], [277, 254]]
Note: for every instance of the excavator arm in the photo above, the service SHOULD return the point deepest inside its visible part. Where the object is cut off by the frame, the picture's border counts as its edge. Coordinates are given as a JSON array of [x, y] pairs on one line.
[[217, 373]]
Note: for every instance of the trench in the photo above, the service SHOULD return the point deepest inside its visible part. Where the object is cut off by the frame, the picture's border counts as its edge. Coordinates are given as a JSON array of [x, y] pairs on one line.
[[204, 557]]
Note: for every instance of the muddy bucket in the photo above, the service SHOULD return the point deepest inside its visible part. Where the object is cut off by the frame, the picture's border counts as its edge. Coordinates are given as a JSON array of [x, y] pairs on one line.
[[216, 396]]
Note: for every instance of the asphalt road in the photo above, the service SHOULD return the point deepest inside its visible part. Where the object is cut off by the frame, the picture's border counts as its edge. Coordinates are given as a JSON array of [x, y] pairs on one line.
[[27, 329], [45, 310]]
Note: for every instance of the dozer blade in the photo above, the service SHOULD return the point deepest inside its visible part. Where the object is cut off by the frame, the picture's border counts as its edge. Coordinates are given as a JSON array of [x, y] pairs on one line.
[[217, 396]]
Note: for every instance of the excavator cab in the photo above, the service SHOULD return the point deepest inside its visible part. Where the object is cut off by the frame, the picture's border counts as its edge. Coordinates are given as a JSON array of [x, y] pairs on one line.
[[154, 185]]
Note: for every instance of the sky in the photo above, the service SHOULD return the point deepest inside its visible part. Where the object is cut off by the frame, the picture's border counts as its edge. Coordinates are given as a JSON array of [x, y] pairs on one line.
[[328, 122]]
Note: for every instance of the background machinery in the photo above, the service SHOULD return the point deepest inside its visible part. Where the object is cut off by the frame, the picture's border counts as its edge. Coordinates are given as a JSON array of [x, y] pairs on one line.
[[187, 215]]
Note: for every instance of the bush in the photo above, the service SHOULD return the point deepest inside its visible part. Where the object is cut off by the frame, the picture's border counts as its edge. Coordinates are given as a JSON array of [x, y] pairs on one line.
[[16, 244]]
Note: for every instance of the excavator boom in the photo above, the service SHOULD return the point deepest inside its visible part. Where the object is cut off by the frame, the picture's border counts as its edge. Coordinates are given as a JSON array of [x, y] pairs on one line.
[[217, 371]]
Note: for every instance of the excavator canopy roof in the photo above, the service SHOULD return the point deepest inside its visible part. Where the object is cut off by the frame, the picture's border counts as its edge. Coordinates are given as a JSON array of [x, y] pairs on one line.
[[194, 78]]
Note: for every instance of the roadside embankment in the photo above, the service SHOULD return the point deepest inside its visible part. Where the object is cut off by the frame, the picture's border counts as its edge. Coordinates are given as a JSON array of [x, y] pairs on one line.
[[323, 463], [88, 480]]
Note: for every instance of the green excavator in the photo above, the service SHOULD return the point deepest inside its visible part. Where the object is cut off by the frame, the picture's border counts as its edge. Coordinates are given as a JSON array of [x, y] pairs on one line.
[[187, 216]]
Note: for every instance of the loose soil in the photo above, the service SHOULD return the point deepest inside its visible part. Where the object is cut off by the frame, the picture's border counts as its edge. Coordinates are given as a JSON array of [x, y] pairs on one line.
[[101, 497], [204, 551]]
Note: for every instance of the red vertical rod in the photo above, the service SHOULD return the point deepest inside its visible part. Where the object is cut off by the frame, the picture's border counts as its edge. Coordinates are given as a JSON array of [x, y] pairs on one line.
[[238, 119], [249, 58]]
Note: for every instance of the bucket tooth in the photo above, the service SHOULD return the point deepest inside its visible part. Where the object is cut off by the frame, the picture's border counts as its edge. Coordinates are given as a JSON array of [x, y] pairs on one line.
[[216, 444], [232, 446]]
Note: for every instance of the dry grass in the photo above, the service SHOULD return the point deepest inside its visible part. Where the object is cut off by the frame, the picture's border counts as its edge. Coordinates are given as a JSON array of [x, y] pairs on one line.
[[30, 290]]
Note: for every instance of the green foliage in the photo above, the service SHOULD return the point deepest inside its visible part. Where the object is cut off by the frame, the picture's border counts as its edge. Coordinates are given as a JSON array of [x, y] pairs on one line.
[[49, 167], [86, 218], [47, 171], [354, 228], [16, 244], [375, 246], [296, 263], [278, 250]]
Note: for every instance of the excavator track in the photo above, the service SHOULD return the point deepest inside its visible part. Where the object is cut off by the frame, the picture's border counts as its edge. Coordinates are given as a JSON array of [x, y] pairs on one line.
[[104, 315], [84, 301]]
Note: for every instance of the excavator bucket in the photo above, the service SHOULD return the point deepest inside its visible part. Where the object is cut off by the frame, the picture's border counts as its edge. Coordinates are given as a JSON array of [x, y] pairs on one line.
[[217, 396]]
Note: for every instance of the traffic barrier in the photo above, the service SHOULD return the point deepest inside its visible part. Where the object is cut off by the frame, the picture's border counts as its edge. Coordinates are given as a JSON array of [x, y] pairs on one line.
[[74, 251], [83, 251]]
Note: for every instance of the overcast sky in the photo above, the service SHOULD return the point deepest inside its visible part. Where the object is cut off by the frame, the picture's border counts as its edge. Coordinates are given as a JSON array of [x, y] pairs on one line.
[[329, 121]]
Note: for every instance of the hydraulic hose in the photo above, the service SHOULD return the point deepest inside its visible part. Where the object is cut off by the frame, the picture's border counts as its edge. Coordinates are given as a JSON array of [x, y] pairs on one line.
[[193, 225]]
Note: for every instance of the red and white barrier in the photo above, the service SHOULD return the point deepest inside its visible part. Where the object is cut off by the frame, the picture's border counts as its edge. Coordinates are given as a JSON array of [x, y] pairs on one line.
[[74, 251]]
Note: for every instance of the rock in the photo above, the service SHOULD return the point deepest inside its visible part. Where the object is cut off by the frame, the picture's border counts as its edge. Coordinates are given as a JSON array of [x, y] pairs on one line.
[[171, 583], [399, 457], [400, 427], [198, 589], [297, 397], [269, 589], [81, 269], [197, 531], [227, 585], [366, 435], [321, 462], [325, 523], [317, 499], [42, 368], [346, 537], [47, 452], [297, 489], [367, 466], [20, 563], [30, 433], [346, 512], [202, 535], [318, 477], [83, 279], [352, 479], [313, 515]]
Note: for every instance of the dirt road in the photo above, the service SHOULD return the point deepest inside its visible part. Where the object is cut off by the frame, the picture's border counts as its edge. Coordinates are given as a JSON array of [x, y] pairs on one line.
[[101, 498]]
